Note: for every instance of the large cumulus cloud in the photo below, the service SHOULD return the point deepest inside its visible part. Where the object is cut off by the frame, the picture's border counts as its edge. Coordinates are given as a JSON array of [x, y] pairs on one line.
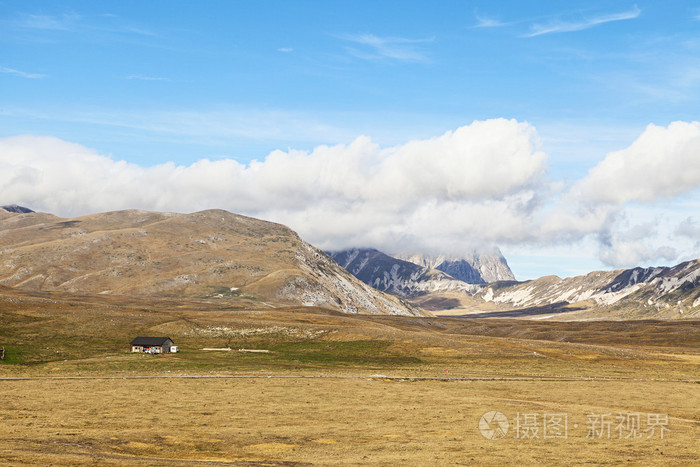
[[474, 184], [482, 184], [631, 188], [663, 162]]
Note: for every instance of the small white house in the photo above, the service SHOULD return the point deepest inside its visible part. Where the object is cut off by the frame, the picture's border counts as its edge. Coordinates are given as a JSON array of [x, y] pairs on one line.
[[153, 345]]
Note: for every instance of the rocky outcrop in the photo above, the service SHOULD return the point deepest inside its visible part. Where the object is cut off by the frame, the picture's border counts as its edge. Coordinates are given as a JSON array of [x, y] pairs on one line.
[[16, 209], [473, 268], [395, 276]]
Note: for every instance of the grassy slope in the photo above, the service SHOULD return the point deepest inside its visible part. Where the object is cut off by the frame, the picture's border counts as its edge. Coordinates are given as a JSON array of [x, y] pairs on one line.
[[204, 254], [57, 331], [143, 253]]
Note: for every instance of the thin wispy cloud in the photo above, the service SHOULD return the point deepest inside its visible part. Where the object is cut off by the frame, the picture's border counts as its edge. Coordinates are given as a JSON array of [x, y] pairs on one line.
[[394, 48], [147, 78], [484, 22], [138, 31], [75, 23], [285, 50], [47, 22], [22, 74], [572, 26], [221, 127]]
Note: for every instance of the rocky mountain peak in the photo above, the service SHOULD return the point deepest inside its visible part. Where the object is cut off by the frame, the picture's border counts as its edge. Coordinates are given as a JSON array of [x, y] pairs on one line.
[[475, 267], [396, 276]]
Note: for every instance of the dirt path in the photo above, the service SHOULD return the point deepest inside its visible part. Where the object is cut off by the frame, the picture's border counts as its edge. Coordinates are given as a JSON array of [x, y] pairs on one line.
[[376, 377]]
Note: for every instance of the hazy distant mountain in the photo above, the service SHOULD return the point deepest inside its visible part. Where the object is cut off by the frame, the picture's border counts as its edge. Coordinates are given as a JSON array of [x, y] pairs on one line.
[[16, 209], [205, 254], [473, 268], [396, 276]]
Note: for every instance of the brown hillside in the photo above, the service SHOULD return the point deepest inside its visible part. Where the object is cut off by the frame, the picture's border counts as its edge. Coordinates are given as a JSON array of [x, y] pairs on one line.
[[212, 254]]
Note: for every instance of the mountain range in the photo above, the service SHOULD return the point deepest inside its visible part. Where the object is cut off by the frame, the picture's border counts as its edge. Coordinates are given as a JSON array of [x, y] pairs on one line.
[[662, 292], [218, 255], [412, 276], [655, 292]]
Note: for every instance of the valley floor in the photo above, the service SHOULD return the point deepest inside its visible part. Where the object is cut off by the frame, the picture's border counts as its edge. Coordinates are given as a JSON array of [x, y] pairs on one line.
[[340, 421], [338, 389]]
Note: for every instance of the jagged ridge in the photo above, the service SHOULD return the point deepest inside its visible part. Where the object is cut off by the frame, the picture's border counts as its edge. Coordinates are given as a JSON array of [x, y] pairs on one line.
[[473, 268], [655, 291], [395, 276]]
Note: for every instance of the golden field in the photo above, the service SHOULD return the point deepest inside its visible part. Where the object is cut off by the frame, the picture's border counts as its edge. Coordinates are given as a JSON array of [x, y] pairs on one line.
[[336, 388], [330, 421]]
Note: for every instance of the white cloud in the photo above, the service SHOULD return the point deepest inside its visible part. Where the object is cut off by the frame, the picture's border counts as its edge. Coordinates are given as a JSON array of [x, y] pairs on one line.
[[689, 228], [623, 244], [224, 128], [571, 26], [394, 48], [625, 254], [661, 164], [22, 74], [135, 30], [630, 199], [47, 22], [285, 50], [481, 184], [147, 78], [469, 183], [74, 23], [484, 22]]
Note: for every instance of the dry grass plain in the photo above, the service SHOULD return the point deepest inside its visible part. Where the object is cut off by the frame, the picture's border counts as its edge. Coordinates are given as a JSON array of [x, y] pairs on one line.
[[72, 394]]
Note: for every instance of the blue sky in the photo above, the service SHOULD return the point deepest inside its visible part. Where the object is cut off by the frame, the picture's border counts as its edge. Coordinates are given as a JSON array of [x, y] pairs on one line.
[[158, 83]]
